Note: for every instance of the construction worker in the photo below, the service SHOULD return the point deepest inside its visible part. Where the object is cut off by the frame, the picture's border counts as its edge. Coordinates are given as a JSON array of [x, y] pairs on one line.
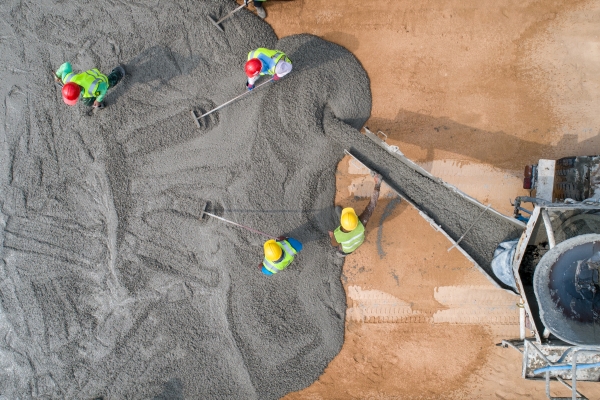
[[351, 232], [263, 61], [279, 254], [92, 85], [260, 10]]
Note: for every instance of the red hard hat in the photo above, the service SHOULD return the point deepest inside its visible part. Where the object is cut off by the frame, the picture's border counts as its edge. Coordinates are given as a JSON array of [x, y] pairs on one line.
[[70, 93], [253, 67]]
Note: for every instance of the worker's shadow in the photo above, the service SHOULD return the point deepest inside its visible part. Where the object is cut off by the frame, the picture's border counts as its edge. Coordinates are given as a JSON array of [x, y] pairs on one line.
[[172, 390], [498, 149], [320, 221], [155, 66]]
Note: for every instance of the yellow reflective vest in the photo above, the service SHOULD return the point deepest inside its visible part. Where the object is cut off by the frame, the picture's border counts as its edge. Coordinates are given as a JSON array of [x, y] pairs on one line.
[[269, 59], [350, 240], [93, 82], [288, 256]]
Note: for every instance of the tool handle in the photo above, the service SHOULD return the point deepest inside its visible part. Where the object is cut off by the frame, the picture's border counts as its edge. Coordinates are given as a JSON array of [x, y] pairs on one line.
[[240, 225], [233, 12], [54, 79], [471, 226], [234, 99]]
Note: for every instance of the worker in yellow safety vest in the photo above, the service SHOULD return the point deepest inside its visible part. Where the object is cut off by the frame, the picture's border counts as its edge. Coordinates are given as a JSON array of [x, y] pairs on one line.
[[279, 254], [351, 233], [264, 61], [92, 85]]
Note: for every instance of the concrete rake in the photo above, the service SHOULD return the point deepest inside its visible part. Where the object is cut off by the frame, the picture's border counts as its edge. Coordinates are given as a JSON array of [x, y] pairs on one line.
[[204, 212], [197, 119], [217, 23]]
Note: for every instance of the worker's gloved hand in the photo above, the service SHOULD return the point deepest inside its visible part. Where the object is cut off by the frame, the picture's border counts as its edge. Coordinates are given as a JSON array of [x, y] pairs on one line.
[[280, 238], [276, 78], [98, 105], [249, 86]]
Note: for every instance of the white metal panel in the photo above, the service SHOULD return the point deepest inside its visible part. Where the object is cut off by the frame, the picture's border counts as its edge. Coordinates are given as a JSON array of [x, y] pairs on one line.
[[521, 247], [545, 179]]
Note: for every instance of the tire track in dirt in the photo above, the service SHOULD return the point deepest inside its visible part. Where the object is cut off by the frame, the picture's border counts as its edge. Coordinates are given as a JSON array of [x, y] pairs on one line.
[[375, 306], [481, 305]]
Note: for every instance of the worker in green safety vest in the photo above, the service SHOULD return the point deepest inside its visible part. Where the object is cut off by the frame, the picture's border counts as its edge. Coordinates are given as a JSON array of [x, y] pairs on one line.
[[264, 61], [92, 85], [351, 232], [279, 254]]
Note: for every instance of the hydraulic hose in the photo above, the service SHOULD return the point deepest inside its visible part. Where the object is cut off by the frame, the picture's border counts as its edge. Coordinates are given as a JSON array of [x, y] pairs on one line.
[[565, 367]]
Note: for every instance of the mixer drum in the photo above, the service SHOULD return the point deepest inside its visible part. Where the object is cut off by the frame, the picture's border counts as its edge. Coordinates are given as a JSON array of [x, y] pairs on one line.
[[567, 288]]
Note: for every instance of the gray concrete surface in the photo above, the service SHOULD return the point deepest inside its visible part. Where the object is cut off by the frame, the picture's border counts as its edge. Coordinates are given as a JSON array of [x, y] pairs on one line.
[[110, 284]]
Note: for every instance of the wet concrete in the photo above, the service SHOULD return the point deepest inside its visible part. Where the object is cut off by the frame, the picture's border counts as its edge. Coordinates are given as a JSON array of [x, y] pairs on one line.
[[110, 283]]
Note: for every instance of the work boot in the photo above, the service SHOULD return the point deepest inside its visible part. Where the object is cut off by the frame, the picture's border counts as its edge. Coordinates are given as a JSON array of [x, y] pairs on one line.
[[340, 254], [260, 10], [116, 75]]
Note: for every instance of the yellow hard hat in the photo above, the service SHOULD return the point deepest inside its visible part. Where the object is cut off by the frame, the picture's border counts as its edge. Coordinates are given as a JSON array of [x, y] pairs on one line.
[[272, 250], [349, 219]]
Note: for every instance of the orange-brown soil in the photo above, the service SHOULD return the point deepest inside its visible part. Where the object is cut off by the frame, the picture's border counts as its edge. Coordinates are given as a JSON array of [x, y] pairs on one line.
[[471, 90]]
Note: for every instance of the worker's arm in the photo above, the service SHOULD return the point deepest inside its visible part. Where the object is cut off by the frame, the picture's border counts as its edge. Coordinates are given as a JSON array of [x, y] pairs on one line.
[[63, 70], [252, 81], [366, 215], [334, 242], [102, 89], [282, 69]]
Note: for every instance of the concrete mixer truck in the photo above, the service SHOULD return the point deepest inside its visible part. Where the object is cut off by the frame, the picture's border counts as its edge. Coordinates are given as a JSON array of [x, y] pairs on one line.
[[548, 252], [555, 268]]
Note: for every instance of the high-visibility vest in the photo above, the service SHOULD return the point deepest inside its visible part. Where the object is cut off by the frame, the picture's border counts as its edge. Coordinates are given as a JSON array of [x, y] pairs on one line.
[[90, 81], [273, 56], [350, 240], [288, 257]]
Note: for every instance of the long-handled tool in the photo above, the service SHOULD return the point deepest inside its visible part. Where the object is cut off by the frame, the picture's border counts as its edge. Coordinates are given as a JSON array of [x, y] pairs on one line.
[[469, 228], [216, 23], [236, 224], [196, 119], [59, 83]]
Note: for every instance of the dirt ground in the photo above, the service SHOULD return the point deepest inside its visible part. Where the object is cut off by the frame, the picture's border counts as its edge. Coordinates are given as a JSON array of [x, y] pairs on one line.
[[471, 90]]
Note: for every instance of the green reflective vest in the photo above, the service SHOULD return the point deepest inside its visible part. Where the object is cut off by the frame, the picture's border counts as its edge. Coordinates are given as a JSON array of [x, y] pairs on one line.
[[263, 53], [93, 82], [350, 240], [288, 257]]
